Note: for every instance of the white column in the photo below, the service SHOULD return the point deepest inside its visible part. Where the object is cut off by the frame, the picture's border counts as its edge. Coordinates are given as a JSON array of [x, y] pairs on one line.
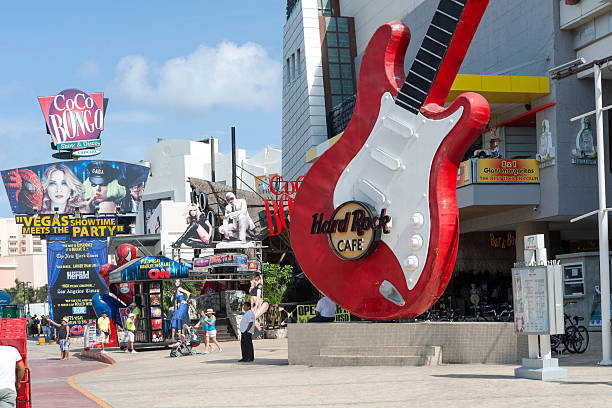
[[604, 255]]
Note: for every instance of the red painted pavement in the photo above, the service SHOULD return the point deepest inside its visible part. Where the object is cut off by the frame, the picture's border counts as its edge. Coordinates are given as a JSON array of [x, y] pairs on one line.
[[50, 386]]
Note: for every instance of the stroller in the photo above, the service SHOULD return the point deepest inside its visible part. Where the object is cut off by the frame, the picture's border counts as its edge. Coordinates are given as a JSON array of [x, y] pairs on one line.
[[185, 346]]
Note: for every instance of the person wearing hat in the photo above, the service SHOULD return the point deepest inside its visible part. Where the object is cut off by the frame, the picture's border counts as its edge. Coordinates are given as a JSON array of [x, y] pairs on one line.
[[104, 327], [207, 320], [63, 337], [133, 178], [130, 326], [236, 220], [102, 189]]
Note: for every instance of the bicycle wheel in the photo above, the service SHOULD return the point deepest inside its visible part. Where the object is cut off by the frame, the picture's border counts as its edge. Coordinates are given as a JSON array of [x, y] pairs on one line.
[[581, 339], [568, 339], [555, 342]]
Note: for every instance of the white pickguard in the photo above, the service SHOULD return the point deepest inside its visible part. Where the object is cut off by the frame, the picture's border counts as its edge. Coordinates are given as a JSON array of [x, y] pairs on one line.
[[392, 171]]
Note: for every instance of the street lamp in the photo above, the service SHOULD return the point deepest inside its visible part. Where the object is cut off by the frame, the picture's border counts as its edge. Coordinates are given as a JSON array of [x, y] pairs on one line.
[[564, 71]]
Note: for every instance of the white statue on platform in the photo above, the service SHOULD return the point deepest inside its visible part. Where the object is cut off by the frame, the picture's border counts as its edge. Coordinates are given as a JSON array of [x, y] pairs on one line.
[[237, 220]]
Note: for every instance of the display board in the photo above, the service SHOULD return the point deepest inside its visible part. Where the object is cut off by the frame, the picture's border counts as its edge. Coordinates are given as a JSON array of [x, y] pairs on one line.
[[529, 289], [73, 266]]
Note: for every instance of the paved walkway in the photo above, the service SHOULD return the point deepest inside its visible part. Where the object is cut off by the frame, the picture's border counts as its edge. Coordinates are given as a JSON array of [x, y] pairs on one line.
[[152, 379], [50, 377]]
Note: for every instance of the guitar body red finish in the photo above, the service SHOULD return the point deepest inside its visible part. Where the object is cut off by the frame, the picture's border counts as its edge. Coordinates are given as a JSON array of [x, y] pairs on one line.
[[356, 285]]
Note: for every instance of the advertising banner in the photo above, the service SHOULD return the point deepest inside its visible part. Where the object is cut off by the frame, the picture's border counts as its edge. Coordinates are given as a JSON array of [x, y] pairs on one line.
[[152, 268], [73, 266], [86, 186], [305, 312], [464, 175], [507, 171], [529, 287], [74, 118], [49, 224]]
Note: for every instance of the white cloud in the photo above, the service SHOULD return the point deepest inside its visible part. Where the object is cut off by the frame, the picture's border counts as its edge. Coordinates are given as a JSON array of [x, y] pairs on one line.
[[229, 75], [131, 117], [89, 69]]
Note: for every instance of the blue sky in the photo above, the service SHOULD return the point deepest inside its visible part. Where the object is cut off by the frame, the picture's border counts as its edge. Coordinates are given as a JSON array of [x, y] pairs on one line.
[[187, 69]]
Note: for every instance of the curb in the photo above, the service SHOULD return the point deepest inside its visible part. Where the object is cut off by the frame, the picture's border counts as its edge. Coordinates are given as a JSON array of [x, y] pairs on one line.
[[96, 355]]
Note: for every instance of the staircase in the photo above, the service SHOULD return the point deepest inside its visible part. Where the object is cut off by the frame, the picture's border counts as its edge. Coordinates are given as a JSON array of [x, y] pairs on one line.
[[338, 356]]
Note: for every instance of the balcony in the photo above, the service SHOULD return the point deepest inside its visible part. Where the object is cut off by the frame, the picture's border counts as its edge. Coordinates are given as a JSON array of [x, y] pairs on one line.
[[498, 182]]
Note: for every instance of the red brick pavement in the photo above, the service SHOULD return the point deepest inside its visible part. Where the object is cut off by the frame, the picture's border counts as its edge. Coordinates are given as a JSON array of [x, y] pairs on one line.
[[50, 387]]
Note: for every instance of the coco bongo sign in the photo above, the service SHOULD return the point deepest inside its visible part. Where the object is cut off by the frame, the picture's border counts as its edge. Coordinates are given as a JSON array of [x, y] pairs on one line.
[[353, 230], [74, 118]]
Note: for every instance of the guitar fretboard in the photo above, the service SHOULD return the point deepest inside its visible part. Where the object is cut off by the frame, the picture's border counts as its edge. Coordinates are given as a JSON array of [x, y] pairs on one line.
[[428, 59]]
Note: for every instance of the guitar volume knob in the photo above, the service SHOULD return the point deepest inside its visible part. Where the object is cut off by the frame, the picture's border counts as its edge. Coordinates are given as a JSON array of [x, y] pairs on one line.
[[411, 263], [417, 220], [417, 242]]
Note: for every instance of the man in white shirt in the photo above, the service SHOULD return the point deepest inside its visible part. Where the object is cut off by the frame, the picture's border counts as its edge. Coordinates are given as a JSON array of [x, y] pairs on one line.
[[325, 311], [12, 371], [247, 329], [236, 210]]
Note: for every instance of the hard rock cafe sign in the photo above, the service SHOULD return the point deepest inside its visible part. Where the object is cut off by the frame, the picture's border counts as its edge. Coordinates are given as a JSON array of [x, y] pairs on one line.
[[354, 229]]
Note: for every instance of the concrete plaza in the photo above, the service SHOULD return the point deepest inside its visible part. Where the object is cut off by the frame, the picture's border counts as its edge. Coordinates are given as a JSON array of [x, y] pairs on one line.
[[153, 379]]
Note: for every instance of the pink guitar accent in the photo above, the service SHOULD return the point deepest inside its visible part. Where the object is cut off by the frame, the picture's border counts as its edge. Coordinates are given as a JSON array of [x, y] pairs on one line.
[[401, 153]]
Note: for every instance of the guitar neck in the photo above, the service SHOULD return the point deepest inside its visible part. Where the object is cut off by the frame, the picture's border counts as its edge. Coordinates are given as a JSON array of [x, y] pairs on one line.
[[431, 55]]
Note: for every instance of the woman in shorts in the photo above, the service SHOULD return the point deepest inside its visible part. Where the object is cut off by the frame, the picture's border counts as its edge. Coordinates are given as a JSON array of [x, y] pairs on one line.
[[211, 331]]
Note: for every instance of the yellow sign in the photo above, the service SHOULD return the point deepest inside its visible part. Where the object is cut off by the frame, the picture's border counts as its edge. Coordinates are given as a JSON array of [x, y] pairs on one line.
[[508, 171], [305, 312], [51, 224], [464, 175]]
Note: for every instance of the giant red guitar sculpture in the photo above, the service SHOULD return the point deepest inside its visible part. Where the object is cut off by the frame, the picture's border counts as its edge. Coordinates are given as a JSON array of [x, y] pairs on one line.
[[401, 153]]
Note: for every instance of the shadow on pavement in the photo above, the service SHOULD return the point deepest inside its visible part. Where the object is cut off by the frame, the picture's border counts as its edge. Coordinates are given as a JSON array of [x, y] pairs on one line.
[[260, 361], [585, 382], [480, 376]]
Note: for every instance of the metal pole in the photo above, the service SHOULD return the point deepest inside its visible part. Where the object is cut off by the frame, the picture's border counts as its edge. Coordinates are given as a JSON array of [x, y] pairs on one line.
[[234, 160], [604, 254], [212, 159]]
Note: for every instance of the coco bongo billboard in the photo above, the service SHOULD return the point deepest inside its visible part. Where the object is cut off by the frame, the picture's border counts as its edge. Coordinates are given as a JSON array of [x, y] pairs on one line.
[[74, 119]]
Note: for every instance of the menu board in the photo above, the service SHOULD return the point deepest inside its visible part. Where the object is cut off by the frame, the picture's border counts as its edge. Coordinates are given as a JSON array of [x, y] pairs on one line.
[[529, 288]]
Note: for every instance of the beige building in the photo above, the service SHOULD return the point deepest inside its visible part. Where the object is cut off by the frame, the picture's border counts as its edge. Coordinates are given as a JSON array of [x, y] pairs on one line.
[[22, 257]]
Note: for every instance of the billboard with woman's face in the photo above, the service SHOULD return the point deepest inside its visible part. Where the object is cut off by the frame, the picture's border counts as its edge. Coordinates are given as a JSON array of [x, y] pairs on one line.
[[88, 186]]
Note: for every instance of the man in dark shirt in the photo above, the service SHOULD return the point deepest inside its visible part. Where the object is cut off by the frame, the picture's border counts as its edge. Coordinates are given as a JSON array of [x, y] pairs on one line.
[[63, 337]]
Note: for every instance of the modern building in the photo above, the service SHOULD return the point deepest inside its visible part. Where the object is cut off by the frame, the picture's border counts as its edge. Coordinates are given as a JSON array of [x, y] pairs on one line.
[[508, 62], [22, 256]]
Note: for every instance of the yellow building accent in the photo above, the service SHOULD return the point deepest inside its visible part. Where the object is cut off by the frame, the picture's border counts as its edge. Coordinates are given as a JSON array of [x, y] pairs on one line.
[[501, 88]]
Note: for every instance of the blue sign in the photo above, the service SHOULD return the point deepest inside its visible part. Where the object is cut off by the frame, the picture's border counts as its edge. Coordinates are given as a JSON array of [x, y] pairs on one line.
[[154, 268], [5, 298]]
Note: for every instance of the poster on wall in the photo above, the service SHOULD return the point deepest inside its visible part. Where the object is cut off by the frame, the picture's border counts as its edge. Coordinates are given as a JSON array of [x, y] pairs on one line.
[[529, 289], [85, 186], [305, 312], [73, 266]]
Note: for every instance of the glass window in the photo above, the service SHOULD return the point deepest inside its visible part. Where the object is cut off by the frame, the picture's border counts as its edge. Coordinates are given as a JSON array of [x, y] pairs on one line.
[[298, 63], [334, 71], [332, 55], [330, 24], [573, 280], [332, 40], [288, 68], [347, 71], [336, 87], [13, 251], [336, 100], [343, 40], [343, 26], [325, 7], [345, 55], [13, 236], [347, 87]]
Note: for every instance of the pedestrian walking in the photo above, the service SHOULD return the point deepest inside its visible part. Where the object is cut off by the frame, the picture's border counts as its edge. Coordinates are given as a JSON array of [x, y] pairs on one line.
[[12, 370], [130, 325], [325, 311], [45, 325], [63, 337], [247, 328], [211, 332], [104, 327]]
